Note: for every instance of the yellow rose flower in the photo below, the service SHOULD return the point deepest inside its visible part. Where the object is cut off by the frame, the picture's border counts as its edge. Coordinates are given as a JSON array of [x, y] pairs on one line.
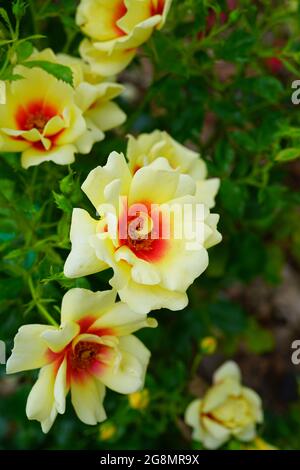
[[116, 29], [48, 120], [139, 400], [227, 409], [93, 96], [40, 119], [146, 148], [155, 255], [92, 349]]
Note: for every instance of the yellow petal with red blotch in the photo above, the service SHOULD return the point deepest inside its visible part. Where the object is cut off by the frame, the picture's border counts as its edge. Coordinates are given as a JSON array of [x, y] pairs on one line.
[[39, 85], [87, 399], [136, 13], [80, 303], [136, 37], [97, 18], [29, 350]]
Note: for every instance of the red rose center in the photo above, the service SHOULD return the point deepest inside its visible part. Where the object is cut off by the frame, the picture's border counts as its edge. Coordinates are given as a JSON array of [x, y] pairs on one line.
[[139, 236], [142, 232], [84, 354], [35, 116]]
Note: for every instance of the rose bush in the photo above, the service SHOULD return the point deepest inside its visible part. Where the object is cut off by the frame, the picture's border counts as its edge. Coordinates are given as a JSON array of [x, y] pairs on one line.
[[187, 91]]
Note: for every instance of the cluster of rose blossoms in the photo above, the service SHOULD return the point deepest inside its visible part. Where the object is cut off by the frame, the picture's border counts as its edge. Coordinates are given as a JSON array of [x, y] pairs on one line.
[[94, 347]]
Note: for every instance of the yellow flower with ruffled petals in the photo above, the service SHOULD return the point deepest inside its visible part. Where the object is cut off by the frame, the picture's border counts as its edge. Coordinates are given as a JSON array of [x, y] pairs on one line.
[[149, 233], [40, 118], [227, 409], [93, 348], [116, 29], [93, 95], [146, 148], [48, 120]]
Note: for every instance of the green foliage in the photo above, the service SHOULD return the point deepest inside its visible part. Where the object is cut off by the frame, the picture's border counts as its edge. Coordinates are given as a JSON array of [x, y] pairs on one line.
[[210, 88], [57, 70]]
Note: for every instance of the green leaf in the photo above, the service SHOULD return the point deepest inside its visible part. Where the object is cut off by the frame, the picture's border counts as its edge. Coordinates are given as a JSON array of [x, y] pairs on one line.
[[268, 87], [237, 46], [67, 183], [24, 50], [62, 202], [61, 72], [288, 155], [5, 17], [11, 77]]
